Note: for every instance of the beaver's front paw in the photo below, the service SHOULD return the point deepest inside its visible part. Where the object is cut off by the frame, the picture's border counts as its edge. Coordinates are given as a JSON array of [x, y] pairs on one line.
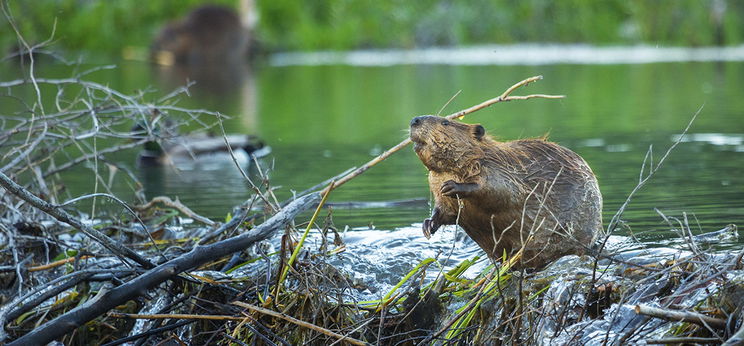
[[452, 189], [428, 228], [449, 188]]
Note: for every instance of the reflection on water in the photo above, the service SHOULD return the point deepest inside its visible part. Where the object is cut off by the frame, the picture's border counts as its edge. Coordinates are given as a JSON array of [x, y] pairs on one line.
[[217, 80], [699, 179], [321, 120], [521, 54], [215, 86]]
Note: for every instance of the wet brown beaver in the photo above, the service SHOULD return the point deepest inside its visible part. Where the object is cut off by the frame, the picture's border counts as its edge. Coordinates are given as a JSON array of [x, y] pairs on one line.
[[509, 192], [208, 35]]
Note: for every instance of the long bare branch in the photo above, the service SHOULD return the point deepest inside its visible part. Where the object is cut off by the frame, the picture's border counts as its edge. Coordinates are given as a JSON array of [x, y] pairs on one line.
[[504, 97]]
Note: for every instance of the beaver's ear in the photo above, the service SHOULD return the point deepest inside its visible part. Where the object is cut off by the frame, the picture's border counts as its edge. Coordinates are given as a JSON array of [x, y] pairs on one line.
[[478, 131]]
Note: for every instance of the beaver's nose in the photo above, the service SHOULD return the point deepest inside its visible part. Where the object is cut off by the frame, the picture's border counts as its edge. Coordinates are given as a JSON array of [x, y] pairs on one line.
[[415, 121]]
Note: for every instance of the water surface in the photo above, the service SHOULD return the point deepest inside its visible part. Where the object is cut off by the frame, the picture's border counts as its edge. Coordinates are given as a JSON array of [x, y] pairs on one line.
[[323, 119]]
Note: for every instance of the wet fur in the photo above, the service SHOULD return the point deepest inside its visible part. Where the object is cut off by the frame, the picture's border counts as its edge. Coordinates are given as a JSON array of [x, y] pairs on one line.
[[509, 191], [208, 35]]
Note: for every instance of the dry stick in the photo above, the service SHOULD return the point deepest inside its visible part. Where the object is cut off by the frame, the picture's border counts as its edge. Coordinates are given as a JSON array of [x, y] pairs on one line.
[[63, 216], [242, 215], [57, 263], [737, 339], [126, 207], [652, 170], [6, 12], [169, 270], [682, 316], [679, 293], [178, 205], [178, 316], [150, 332], [300, 323], [100, 153], [26, 152], [361, 325], [77, 81], [241, 170], [616, 218], [505, 97], [688, 340], [233, 336], [15, 308]]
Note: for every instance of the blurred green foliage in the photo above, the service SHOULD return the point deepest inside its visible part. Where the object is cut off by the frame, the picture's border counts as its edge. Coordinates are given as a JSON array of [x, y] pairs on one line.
[[344, 24], [109, 26], [95, 25]]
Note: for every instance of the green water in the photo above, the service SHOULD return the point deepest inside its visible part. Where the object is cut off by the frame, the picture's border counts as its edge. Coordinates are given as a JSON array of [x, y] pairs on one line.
[[322, 120]]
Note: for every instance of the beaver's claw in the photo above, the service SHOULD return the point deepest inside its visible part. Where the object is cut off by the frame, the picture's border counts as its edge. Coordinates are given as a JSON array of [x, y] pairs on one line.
[[428, 227], [450, 188]]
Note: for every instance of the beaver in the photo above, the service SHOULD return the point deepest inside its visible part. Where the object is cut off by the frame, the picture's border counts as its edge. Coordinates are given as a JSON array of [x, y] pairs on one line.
[[208, 35], [528, 193]]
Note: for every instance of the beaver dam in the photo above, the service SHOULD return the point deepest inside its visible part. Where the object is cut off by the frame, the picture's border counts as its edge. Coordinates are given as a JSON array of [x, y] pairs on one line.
[[148, 271]]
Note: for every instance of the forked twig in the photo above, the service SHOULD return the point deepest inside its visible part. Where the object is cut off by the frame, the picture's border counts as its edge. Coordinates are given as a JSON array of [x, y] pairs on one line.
[[505, 97]]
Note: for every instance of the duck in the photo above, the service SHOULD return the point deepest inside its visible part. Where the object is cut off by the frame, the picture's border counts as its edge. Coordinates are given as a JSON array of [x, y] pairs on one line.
[[188, 151]]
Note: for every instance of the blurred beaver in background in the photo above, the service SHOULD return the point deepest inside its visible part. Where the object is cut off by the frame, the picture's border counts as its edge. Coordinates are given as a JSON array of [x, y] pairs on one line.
[[211, 46], [527, 193], [209, 35]]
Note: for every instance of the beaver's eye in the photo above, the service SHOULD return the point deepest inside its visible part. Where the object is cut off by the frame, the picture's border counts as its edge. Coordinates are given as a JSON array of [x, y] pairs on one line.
[[445, 122]]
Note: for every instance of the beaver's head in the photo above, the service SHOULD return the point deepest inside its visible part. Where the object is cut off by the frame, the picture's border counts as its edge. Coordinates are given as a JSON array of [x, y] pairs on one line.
[[446, 145], [172, 45]]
